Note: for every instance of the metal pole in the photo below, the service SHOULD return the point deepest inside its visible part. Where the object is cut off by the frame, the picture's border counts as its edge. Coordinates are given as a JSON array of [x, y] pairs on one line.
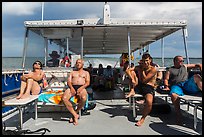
[[185, 44], [25, 47], [46, 50], [67, 46], [162, 51], [42, 10], [82, 40], [129, 55]]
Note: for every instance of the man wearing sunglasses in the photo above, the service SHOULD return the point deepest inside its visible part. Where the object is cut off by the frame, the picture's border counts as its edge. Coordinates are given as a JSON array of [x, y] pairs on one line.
[[32, 83], [176, 80]]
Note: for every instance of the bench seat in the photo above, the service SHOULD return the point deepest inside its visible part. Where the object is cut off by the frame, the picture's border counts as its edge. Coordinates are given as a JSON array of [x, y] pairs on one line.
[[20, 103], [195, 102], [134, 104]]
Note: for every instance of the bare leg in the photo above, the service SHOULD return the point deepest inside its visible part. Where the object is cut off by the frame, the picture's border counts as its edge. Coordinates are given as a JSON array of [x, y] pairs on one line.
[[147, 109], [35, 90], [198, 81], [81, 103], [133, 83], [22, 89], [176, 103], [28, 88], [131, 93], [67, 95]]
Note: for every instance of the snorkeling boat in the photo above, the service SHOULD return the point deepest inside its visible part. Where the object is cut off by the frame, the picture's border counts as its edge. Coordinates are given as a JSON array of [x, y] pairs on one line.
[[97, 36]]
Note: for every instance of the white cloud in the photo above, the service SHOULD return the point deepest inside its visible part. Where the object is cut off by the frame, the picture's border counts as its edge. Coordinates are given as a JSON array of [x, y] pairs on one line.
[[190, 11], [20, 8]]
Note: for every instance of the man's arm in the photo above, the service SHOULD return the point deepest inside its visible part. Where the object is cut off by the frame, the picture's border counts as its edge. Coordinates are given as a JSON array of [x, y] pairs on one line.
[[87, 80], [166, 80], [190, 66], [149, 76], [69, 81]]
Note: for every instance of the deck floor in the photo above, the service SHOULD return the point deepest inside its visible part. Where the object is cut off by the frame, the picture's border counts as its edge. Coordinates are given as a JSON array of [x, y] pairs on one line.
[[111, 116]]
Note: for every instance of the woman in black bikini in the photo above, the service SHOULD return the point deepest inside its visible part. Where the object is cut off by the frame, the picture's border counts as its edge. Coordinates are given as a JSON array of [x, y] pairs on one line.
[[31, 83]]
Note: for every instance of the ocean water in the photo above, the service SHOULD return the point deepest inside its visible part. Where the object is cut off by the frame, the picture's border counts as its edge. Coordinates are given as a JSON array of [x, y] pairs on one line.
[[16, 62]]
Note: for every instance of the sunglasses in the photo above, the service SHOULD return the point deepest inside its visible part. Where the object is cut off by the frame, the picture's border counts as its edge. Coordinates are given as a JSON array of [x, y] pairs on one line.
[[180, 60], [37, 63]]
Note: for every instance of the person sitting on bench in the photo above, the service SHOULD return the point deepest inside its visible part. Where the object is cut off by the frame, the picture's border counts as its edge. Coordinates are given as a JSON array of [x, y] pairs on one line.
[[176, 80], [146, 84], [32, 83], [77, 81]]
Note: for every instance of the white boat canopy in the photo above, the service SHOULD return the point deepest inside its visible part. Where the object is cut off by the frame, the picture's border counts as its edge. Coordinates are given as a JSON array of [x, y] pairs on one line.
[[99, 38], [105, 35]]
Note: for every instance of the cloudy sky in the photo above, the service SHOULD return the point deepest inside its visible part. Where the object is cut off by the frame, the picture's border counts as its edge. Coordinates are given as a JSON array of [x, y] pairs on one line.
[[15, 13]]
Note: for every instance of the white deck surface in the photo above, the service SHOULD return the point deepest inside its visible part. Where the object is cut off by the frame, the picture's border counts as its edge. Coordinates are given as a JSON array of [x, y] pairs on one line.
[[110, 117]]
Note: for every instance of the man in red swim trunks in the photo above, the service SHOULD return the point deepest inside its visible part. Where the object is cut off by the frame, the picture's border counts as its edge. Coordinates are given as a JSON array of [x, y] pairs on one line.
[[78, 80]]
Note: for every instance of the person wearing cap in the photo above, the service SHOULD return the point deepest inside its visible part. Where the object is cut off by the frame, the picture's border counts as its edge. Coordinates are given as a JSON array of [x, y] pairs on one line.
[[54, 61]]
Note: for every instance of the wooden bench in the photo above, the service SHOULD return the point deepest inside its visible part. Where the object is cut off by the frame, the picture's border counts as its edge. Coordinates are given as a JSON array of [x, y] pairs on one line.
[[195, 102], [20, 103], [134, 103]]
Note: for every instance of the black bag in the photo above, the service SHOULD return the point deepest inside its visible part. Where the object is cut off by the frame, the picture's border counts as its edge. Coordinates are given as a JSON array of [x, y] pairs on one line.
[[159, 108], [161, 91], [22, 132]]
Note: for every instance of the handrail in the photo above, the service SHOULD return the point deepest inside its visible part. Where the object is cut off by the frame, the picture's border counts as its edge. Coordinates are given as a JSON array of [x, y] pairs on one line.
[[10, 91]]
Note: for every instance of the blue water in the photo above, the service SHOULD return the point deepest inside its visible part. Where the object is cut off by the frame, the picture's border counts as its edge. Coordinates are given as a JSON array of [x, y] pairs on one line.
[[16, 62]]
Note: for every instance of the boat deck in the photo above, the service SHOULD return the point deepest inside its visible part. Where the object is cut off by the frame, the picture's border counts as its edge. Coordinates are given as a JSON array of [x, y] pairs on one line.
[[111, 116]]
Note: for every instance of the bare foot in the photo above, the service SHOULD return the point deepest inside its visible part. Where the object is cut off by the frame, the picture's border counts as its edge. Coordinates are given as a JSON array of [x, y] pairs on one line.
[[75, 122], [130, 94], [71, 120], [19, 96], [139, 123], [25, 96], [140, 101]]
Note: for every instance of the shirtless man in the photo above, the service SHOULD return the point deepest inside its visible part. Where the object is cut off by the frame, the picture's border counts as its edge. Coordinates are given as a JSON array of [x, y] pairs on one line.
[[32, 82], [78, 80], [146, 84]]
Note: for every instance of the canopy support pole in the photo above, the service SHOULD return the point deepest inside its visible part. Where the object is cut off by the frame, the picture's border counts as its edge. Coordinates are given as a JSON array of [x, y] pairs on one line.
[[46, 50], [67, 46], [162, 51], [82, 40], [185, 44], [129, 55], [25, 47]]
